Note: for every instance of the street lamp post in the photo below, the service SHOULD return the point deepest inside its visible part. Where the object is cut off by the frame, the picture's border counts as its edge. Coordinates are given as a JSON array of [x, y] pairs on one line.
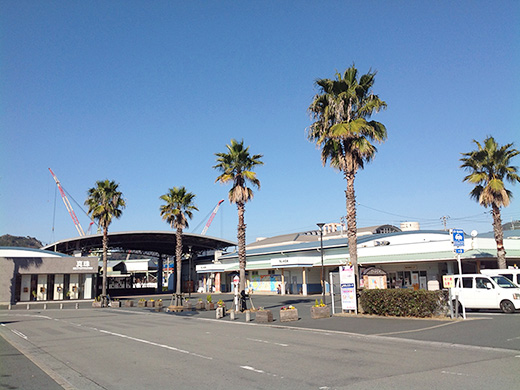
[[320, 225], [190, 265]]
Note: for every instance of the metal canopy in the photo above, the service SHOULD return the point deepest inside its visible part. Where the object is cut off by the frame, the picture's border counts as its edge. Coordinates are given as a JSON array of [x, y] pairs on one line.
[[161, 242]]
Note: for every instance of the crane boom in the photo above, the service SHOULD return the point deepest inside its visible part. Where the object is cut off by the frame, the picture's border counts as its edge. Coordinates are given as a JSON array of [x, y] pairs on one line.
[[211, 217], [68, 205]]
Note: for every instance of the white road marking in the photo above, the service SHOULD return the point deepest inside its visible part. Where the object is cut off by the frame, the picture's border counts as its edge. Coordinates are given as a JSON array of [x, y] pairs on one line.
[[155, 344], [454, 373], [268, 342], [19, 334], [252, 369], [16, 332], [249, 368]]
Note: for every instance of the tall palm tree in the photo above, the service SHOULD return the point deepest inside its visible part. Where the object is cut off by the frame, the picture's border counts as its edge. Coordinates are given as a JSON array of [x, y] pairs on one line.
[[177, 209], [340, 110], [488, 166], [105, 202], [237, 166]]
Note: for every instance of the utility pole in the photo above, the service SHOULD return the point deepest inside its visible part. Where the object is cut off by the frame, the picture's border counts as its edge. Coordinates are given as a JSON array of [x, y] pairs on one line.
[[444, 220]]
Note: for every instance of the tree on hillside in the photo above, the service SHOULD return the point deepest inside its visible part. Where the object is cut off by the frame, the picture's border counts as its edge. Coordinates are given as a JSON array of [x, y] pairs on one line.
[[22, 242], [105, 202], [237, 167], [341, 110], [488, 166], [177, 209]]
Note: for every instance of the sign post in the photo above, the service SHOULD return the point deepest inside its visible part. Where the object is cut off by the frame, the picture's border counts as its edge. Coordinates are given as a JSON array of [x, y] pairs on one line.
[[347, 280], [457, 238], [236, 281]]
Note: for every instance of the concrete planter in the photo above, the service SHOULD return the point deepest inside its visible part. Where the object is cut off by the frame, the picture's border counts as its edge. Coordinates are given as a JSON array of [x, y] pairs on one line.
[[264, 316], [200, 306], [187, 306], [158, 306], [289, 315], [129, 303], [96, 304], [210, 306], [115, 304], [320, 312], [141, 304], [150, 303]]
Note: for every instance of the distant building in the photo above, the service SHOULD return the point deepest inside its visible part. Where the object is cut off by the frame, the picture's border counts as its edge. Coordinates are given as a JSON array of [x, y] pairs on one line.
[[38, 275], [410, 259]]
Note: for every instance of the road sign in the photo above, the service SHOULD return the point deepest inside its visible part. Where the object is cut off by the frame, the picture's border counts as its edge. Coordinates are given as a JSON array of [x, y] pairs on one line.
[[448, 281], [459, 250], [457, 237]]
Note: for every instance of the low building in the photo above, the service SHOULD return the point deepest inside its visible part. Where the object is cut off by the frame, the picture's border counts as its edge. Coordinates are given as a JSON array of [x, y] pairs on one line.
[[410, 259], [39, 275]]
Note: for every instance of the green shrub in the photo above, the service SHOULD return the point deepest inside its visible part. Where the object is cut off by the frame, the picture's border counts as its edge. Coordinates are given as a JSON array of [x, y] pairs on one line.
[[402, 302]]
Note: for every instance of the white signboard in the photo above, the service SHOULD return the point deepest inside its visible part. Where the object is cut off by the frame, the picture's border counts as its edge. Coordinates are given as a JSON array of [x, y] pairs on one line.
[[347, 279]]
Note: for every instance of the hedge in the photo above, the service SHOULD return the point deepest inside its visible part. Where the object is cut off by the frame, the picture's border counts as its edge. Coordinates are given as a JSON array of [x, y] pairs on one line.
[[403, 302]]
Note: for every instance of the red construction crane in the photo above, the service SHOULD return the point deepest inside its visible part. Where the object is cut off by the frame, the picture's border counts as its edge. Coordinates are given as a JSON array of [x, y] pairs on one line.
[[211, 217], [68, 206]]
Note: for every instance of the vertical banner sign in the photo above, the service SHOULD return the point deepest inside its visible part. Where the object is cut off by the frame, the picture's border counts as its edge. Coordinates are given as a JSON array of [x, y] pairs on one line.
[[347, 279]]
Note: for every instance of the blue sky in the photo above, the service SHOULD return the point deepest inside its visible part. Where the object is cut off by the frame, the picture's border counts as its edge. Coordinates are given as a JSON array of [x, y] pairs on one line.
[[144, 93]]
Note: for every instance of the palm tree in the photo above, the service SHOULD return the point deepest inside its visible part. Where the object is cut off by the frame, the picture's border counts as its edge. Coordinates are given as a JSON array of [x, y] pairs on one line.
[[105, 202], [340, 111], [178, 208], [237, 166], [488, 166]]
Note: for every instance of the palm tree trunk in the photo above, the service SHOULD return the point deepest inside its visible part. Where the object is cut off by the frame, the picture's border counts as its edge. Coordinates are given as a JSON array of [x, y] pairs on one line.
[[499, 237], [351, 222], [105, 267], [241, 237], [178, 259]]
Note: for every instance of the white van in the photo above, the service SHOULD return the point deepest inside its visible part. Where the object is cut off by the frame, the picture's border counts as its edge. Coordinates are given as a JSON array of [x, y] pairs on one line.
[[487, 292], [513, 274]]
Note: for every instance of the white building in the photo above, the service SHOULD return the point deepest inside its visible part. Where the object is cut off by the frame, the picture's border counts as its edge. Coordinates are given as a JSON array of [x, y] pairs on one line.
[[292, 263]]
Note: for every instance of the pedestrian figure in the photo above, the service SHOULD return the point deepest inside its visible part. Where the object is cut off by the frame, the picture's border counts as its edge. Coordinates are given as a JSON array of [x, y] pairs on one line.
[[243, 300]]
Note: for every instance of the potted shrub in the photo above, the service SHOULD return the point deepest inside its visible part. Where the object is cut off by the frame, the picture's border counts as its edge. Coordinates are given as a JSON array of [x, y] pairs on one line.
[[141, 302], [158, 305], [320, 310], [263, 315], [200, 305], [209, 303], [97, 302], [288, 313], [150, 303], [129, 303], [186, 304], [115, 303]]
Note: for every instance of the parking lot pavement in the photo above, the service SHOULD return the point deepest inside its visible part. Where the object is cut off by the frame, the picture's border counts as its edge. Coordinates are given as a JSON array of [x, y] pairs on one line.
[[484, 329], [18, 372]]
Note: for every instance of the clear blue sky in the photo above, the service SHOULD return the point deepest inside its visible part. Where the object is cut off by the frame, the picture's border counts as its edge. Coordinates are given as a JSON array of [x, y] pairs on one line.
[[144, 93]]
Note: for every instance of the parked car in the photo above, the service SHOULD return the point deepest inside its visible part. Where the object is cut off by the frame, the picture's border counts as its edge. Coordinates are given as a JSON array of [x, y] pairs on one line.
[[513, 274], [480, 291]]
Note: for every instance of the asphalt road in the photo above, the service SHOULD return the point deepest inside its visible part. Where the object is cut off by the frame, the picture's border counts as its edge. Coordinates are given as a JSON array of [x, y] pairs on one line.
[[133, 348]]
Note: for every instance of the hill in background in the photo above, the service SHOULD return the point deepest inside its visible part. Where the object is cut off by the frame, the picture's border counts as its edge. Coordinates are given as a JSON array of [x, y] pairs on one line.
[[23, 242]]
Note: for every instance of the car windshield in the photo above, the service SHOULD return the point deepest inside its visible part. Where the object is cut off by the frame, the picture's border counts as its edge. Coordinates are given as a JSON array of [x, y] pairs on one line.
[[504, 282]]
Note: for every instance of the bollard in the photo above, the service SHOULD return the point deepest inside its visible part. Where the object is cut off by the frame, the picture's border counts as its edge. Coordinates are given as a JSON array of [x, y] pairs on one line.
[[61, 306], [28, 307], [77, 305], [9, 307], [248, 316], [44, 306], [232, 315]]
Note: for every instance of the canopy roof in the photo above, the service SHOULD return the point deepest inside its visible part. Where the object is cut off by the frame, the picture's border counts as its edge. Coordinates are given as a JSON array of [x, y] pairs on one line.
[[142, 241]]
